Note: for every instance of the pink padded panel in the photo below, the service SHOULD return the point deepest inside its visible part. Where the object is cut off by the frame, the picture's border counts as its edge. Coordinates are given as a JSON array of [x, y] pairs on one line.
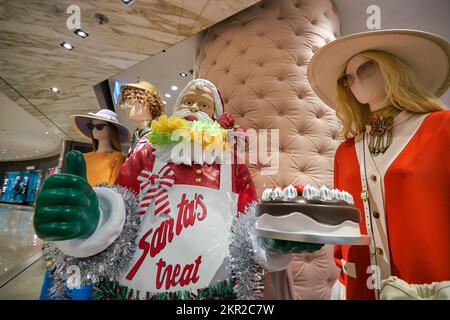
[[258, 60]]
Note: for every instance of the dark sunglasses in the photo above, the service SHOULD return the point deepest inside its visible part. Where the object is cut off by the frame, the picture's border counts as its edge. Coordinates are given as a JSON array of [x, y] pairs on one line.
[[364, 71], [99, 126]]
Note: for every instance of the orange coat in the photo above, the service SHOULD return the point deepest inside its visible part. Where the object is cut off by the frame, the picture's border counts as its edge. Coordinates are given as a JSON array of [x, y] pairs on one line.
[[417, 202]]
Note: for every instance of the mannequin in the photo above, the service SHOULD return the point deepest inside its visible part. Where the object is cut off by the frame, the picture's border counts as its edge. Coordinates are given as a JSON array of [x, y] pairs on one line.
[[397, 134], [106, 134], [142, 103]]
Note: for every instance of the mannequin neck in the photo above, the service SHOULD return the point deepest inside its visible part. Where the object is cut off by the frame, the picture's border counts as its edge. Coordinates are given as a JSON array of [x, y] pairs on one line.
[[143, 124], [104, 146], [378, 105]]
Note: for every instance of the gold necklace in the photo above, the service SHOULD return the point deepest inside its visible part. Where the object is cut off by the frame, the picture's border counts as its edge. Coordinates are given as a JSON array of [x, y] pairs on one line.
[[380, 134]]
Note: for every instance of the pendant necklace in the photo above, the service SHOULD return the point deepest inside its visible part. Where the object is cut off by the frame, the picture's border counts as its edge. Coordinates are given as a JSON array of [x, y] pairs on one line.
[[380, 134]]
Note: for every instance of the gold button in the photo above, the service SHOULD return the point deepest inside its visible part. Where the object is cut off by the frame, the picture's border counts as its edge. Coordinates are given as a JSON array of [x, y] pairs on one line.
[[379, 251], [198, 180], [376, 215], [198, 171]]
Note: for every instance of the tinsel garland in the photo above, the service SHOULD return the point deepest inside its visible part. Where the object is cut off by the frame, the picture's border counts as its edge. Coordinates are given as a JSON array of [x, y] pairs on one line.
[[106, 265], [108, 290], [247, 274]]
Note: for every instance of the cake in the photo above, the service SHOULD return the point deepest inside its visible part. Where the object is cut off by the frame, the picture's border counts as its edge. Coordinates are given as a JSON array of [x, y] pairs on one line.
[[308, 214]]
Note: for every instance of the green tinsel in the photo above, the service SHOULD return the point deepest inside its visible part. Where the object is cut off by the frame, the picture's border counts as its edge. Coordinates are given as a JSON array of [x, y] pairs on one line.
[[162, 138], [108, 290], [198, 126]]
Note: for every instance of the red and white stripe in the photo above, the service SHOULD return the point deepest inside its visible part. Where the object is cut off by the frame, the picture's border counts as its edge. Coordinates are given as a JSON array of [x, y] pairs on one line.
[[154, 187]]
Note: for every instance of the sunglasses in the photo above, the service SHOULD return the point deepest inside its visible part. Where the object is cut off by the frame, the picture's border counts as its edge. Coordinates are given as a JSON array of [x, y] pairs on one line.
[[364, 71], [96, 126]]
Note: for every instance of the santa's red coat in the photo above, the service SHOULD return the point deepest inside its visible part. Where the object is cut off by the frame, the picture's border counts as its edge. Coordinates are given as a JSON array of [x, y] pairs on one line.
[[417, 202], [196, 175]]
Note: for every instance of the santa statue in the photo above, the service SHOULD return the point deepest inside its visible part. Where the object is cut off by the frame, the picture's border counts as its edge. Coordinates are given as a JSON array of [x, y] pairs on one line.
[[163, 230]]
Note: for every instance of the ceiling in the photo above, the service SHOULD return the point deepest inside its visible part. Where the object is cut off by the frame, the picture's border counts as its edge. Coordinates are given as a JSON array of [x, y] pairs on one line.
[[32, 60], [130, 47], [22, 136]]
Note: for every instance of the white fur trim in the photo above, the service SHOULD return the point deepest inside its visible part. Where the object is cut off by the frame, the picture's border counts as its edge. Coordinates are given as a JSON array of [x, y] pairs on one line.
[[110, 225]]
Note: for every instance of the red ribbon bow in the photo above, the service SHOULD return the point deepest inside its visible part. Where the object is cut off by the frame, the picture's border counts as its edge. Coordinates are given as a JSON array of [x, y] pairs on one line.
[[154, 187]]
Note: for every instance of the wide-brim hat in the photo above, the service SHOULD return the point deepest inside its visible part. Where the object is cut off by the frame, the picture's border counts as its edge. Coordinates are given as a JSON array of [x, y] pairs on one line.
[[428, 55], [80, 122]]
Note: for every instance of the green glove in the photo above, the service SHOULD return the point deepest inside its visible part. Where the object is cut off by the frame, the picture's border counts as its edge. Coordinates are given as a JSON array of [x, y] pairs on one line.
[[67, 206], [284, 246]]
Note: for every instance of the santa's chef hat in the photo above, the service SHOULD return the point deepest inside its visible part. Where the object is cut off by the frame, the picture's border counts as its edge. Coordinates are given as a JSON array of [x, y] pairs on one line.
[[201, 83]]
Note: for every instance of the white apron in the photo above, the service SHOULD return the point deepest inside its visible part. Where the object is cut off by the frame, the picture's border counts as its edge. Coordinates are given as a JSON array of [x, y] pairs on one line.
[[197, 255]]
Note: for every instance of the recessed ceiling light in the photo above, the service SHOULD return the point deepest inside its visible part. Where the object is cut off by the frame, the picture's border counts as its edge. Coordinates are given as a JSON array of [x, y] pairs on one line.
[[37, 151], [66, 45], [17, 157], [46, 132], [54, 89], [183, 74], [164, 101], [174, 88], [167, 95], [81, 33], [127, 2]]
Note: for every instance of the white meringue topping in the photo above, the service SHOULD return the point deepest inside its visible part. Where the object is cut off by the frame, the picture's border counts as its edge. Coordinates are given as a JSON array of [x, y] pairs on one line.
[[277, 194], [289, 192], [325, 193], [267, 194], [310, 192]]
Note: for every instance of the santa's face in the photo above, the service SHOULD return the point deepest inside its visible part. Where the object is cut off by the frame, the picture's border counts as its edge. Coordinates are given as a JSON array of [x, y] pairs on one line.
[[196, 104]]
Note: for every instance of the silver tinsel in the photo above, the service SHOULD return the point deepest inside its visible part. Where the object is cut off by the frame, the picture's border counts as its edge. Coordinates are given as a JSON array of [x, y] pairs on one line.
[[247, 274], [106, 265]]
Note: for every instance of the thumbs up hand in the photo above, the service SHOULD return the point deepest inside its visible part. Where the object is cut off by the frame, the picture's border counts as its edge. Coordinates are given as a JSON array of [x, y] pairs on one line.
[[67, 206]]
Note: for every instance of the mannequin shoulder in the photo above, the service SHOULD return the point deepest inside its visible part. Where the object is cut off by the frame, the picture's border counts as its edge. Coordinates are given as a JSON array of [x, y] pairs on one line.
[[345, 147], [89, 155], [439, 121]]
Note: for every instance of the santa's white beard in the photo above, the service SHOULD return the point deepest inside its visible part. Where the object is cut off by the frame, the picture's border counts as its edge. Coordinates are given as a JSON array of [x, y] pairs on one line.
[[188, 152], [183, 113]]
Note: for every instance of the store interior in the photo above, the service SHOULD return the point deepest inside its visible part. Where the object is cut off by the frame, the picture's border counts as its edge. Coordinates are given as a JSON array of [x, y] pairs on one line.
[[253, 51]]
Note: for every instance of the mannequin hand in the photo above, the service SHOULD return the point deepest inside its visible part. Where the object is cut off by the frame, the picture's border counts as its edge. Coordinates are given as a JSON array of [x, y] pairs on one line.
[[67, 206], [226, 120], [283, 246]]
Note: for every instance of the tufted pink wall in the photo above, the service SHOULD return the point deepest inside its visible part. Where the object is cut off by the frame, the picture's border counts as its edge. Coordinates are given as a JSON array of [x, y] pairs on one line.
[[258, 59]]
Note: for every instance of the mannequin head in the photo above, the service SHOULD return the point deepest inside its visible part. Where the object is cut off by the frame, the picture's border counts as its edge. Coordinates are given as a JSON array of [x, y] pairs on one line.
[[197, 100], [200, 100], [105, 134], [141, 104], [372, 80]]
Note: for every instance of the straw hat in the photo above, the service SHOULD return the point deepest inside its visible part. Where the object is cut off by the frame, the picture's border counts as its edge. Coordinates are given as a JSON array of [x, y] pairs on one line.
[[144, 85], [80, 121], [428, 55]]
